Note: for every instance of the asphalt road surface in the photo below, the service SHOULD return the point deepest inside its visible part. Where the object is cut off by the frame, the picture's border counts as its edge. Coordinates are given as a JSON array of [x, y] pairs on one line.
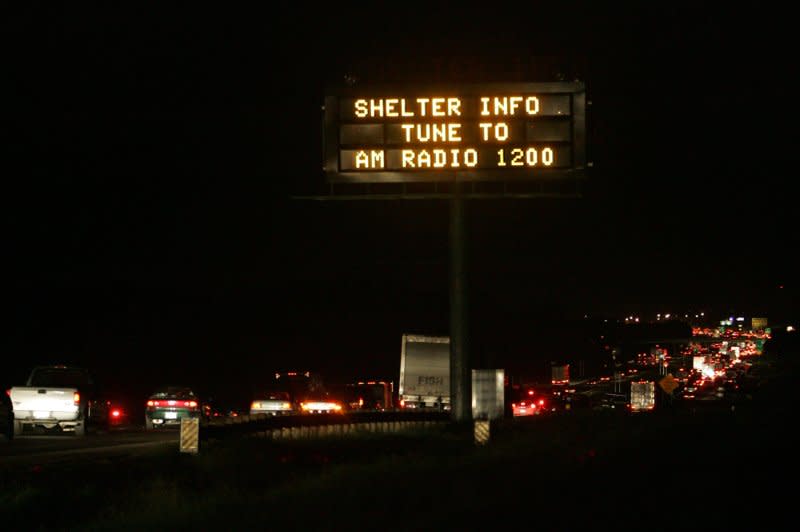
[[37, 449]]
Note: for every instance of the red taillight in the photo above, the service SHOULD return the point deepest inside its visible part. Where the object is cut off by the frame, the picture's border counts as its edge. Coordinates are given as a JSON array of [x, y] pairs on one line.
[[115, 413], [541, 402], [8, 392], [172, 402], [76, 398]]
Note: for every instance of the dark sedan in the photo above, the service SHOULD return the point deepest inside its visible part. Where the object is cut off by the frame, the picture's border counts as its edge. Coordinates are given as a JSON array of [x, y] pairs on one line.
[[168, 405]]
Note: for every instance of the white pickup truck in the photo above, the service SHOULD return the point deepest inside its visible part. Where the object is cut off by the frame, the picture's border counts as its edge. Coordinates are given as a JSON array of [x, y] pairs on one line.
[[58, 397]]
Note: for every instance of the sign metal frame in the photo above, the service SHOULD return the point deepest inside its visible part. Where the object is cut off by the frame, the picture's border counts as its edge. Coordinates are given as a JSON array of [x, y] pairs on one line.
[[332, 123]]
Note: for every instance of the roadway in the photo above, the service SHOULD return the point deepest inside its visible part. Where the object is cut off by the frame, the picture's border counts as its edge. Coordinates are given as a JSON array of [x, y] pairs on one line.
[[37, 449], [130, 440]]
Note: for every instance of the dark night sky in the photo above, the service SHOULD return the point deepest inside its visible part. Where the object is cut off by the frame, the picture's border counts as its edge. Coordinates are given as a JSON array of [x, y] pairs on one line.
[[153, 153]]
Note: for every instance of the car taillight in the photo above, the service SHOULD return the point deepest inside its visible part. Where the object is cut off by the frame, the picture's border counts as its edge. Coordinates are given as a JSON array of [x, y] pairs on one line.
[[172, 402], [116, 413], [76, 398], [8, 392]]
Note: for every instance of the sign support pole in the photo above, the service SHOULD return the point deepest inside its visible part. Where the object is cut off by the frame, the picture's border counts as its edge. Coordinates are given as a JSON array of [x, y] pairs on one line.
[[460, 382]]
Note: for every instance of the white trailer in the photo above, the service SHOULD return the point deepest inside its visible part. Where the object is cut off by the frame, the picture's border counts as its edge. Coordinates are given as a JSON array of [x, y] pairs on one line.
[[424, 372]]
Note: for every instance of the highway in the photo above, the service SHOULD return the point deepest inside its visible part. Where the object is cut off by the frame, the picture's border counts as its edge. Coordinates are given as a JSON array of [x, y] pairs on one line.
[[122, 442], [130, 440]]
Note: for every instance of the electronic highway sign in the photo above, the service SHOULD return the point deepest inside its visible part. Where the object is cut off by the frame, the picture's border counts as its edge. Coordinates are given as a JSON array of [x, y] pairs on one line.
[[464, 132]]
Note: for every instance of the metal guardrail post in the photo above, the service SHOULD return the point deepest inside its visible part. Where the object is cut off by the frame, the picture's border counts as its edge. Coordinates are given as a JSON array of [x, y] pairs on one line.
[[482, 431], [190, 435]]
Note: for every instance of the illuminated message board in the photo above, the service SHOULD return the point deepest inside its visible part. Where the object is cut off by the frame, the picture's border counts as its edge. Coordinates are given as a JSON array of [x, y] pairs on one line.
[[482, 132]]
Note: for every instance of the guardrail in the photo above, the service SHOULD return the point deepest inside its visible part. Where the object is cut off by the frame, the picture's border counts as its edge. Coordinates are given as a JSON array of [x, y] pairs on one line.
[[305, 426]]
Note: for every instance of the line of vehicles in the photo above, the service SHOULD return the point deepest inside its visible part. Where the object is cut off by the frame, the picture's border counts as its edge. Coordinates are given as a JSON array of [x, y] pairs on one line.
[[295, 392], [66, 399]]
